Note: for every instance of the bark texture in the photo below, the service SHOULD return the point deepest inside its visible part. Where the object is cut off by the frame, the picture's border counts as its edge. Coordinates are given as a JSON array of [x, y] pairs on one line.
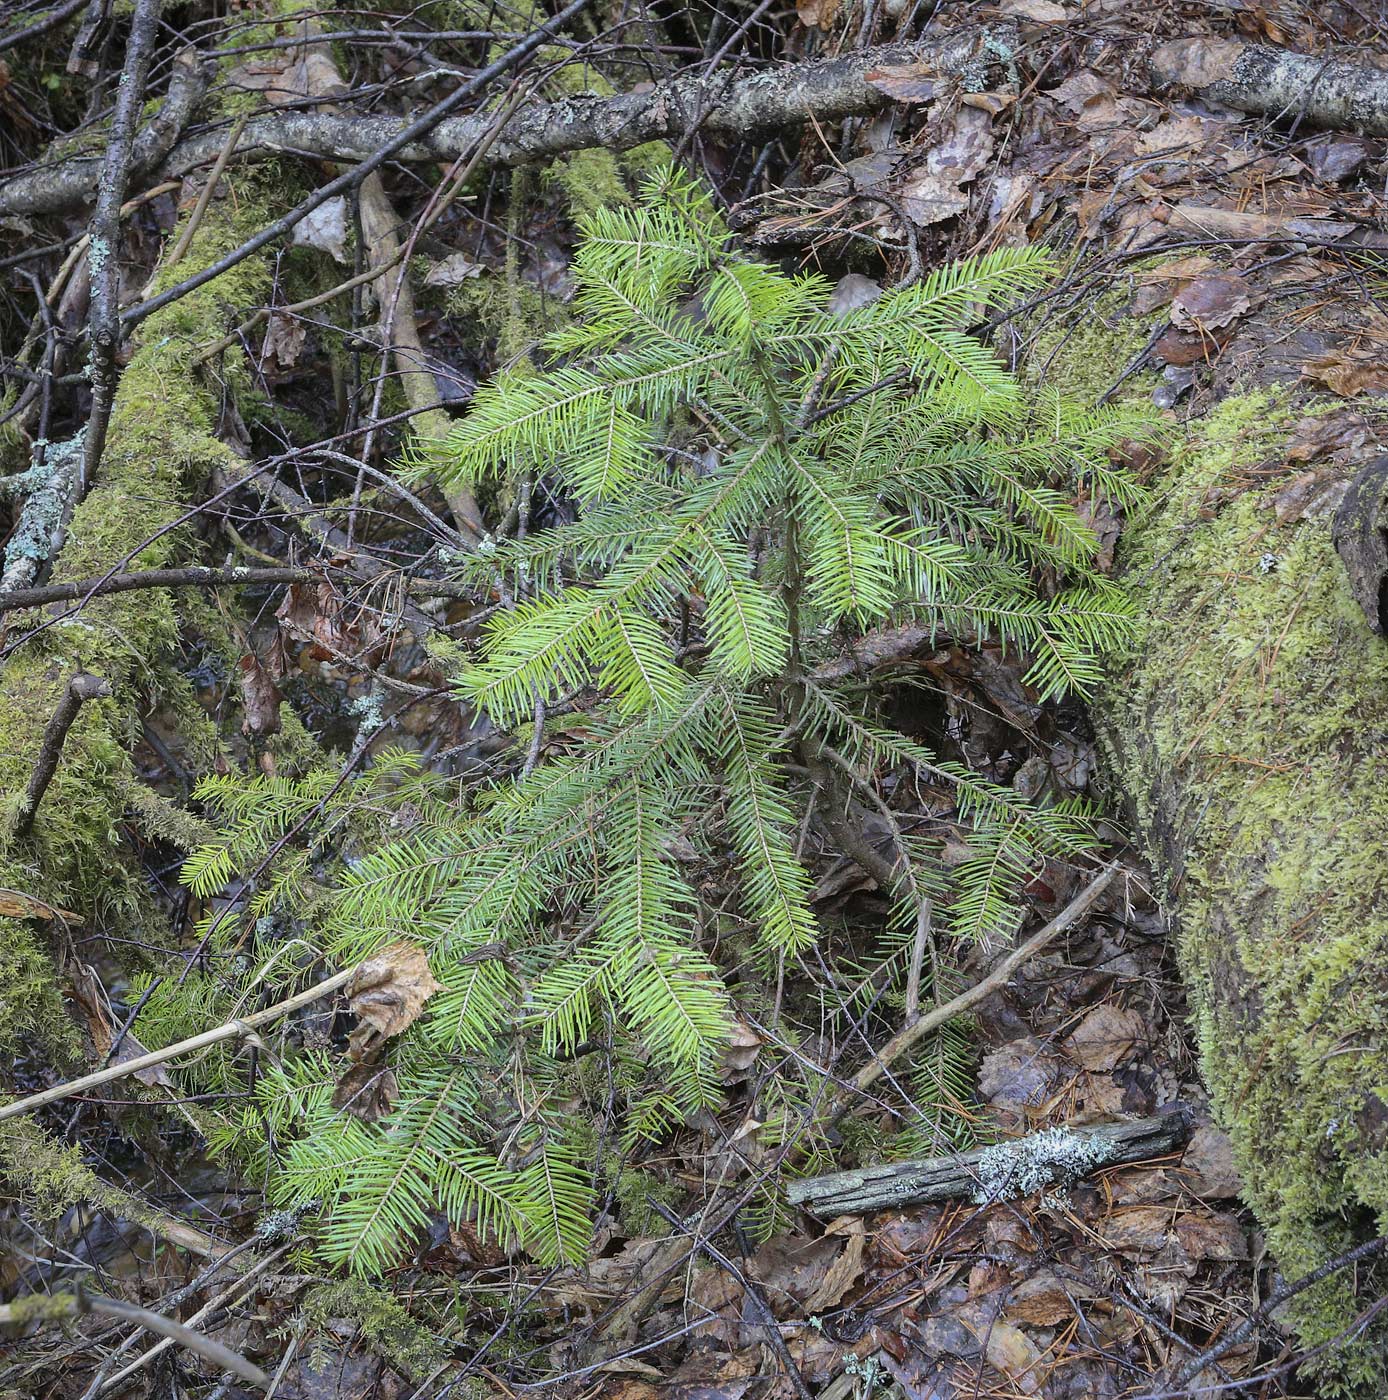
[[1251, 78], [1249, 733], [1057, 1157]]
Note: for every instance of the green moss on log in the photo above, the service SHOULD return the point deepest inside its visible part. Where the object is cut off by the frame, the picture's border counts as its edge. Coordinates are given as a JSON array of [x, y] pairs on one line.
[[161, 446], [1248, 731]]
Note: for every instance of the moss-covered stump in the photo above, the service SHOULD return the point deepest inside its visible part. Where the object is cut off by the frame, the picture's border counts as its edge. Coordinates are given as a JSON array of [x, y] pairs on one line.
[[1249, 733], [161, 447]]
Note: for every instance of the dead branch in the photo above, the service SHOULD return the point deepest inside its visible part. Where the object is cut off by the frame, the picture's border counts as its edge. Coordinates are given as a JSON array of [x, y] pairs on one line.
[[1056, 1156], [67, 185], [62, 1306], [198, 576], [910, 1035], [231, 1030], [80, 689]]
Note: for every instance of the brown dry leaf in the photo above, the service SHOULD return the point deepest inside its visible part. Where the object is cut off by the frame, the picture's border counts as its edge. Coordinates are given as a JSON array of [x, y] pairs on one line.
[[1212, 1237], [1041, 1300], [284, 339], [367, 1092], [320, 615], [1137, 1230], [1314, 492], [741, 1051], [1344, 431], [387, 992], [1208, 1164], [843, 1273], [1106, 1037], [1091, 99], [1210, 303], [95, 1007], [933, 193], [260, 697], [1010, 1351], [1349, 373], [1038, 11], [906, 82], [1172, 134], [817, 14], [790, 1269]]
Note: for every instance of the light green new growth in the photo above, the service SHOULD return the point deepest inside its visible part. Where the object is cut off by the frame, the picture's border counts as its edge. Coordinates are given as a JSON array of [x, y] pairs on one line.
[[755, 481]]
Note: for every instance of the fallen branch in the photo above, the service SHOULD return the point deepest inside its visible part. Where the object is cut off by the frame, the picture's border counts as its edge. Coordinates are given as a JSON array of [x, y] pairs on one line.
[[910, 1035], [65, 185], [1252, 78], [201, 577], [61, 1307], [232, 1030], [81, 688], [1058, 1156]]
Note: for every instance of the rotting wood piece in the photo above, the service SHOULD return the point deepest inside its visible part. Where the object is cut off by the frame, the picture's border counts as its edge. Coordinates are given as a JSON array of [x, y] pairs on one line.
[[1056, 1157]]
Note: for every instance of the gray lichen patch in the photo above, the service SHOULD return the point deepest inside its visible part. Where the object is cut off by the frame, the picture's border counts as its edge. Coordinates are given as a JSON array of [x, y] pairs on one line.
[[1058, 1157]]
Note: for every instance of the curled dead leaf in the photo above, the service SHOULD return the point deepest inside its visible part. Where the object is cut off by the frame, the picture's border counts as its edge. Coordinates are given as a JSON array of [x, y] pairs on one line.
[[387, 992], [366, 1091]]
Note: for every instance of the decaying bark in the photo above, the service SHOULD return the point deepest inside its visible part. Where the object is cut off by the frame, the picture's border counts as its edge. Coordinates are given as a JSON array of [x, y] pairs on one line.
[[1251, 78], [1249, 735], [1040, 1161]]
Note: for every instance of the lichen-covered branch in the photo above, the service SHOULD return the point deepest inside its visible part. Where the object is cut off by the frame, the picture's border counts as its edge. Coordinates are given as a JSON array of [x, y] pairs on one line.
[[1056, 1157]]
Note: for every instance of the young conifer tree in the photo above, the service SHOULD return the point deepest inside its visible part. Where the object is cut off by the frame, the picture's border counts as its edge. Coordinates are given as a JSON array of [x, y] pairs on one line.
[[756, 479]]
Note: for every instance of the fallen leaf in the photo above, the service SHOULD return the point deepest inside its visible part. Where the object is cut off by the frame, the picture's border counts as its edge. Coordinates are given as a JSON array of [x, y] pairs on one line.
[[454, 270], [1335, 158], [1039, 11], [1041, 1300], [1106, 1037], [1010, 1351], [843, 1273], [1349, 373], [325, 228], [366, 1091], [1137, 1230], [1212, 1237], [260, 697], [95, 1006], [1172, 134], [1210, 303], [284, 339], [817, 14], [387, 993], [907, 82], [1208, 1164]]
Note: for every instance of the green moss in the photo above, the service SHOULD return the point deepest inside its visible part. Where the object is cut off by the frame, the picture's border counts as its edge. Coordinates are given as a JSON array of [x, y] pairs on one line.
[[382, 1321], [31, 1006], [1259, 698], [161, 446]]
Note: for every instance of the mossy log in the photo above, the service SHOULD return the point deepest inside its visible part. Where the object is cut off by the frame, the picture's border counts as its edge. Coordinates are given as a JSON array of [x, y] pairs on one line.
[[1248, 732], [161, 448]]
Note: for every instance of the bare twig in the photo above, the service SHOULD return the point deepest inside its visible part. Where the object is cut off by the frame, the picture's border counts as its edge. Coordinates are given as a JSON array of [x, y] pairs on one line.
[[75, 1304], [103, 256], [197, 576], [416, 130], [81, 688], [230, 1031], [910, 1035]]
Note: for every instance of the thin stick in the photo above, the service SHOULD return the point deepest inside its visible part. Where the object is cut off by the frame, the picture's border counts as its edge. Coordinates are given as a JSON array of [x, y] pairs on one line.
[[230, 1031], [81, 688], [908, 1036], [222, 1357], [350, 179], [205, 196]]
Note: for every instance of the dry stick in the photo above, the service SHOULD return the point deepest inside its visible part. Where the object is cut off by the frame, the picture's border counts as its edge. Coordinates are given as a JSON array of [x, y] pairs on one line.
[[42, 26], [908, 1036], [103, 257], [205, 195], [220, 1356], [81, 688], [350, 179], [242, 1025], [198, 576], [228, 1296]]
